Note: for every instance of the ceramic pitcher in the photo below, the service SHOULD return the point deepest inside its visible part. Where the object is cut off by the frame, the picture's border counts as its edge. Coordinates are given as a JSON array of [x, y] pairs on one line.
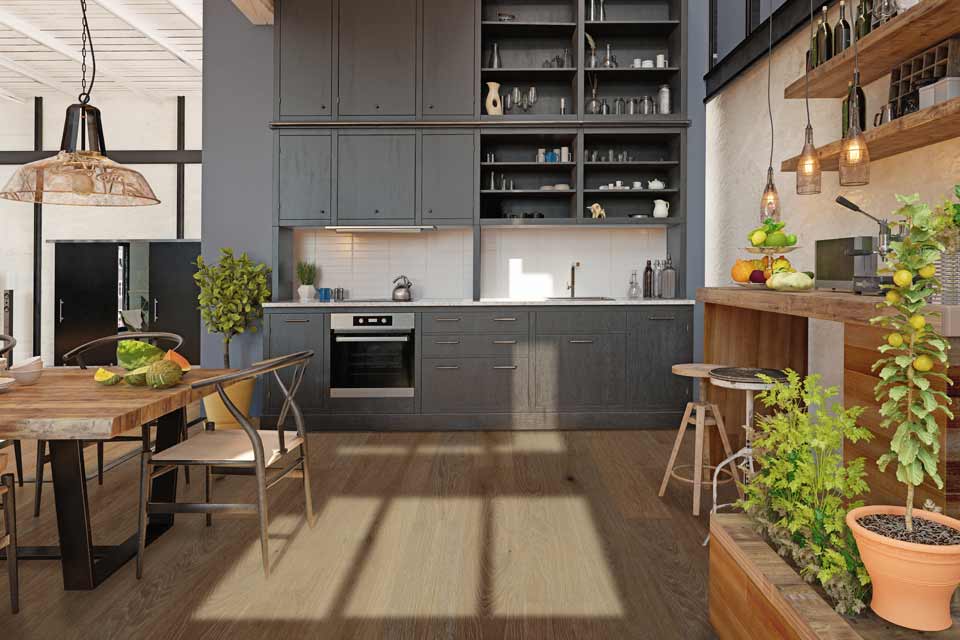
[[493, 104], [661, 208]]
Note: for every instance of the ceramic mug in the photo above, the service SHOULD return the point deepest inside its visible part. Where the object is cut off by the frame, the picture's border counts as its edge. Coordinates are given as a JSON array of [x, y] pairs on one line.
[[638, 185], [661, 208], [637, 63]]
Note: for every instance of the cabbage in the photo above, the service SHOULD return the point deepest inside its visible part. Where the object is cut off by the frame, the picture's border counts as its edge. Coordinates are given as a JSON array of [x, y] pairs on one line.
[[134, 354]]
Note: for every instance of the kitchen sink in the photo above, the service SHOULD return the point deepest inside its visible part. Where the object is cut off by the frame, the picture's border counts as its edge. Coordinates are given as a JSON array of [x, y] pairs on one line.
[[582, 299]]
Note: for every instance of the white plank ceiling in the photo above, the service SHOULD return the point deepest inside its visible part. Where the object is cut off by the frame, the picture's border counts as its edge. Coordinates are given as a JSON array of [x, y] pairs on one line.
[[148, 47]]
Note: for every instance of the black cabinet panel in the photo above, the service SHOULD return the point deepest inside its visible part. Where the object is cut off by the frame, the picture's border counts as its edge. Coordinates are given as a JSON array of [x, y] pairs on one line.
[[304, 177], [449, 83], [657, 340], [289, 333], [459, 345], [580, 371], [306, 57], [505, 320], [447, 191], [580, 321], [378, 58], [479, 384], [376, 178]]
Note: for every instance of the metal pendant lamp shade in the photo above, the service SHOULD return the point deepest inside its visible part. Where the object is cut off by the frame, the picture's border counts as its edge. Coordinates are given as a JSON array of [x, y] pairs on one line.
[[80, 174], [809, 172]]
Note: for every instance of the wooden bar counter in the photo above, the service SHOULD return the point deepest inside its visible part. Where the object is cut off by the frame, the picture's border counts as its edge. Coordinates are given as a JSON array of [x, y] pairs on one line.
[[759, 328]]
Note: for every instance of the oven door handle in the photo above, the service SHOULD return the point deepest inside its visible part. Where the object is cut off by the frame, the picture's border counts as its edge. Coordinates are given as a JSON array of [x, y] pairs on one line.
[[372, 338]]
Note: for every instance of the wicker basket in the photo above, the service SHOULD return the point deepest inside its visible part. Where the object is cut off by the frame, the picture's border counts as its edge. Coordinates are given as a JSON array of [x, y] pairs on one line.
[[949, 271]]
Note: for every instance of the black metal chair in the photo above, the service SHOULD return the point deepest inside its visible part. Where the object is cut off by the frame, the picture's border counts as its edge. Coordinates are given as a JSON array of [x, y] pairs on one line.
[[76, 357], [235, 452], [8, 540], [7, 343]]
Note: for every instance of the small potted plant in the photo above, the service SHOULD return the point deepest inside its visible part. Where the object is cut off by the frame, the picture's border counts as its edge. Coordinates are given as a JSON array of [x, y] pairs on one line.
[[232, 293], [307, 275], [912, 555]]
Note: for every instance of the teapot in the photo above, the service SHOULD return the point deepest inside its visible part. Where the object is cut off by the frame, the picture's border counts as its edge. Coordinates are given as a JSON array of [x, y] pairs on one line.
[[656, 184], [661, 208], [401, 292]]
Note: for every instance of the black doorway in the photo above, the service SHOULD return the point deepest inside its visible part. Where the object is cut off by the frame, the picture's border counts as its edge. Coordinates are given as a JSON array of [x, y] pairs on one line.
[[88, 280], [173, 293]]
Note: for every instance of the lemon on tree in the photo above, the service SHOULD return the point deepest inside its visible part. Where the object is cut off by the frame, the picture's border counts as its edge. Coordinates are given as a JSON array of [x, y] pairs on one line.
[[923, 363], [927, 271], [893, 297], [917, 321], [895, 340], [903, 278]]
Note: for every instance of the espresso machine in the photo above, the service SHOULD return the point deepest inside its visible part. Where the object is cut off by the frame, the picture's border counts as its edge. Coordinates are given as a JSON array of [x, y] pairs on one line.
[[853, 264]]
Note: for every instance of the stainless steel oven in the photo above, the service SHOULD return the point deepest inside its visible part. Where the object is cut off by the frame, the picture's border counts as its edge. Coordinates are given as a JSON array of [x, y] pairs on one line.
[[372, 355]]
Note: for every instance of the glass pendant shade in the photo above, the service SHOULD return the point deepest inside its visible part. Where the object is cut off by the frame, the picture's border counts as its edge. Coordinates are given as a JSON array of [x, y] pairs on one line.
[[854, 158], [80, 174], [809, 173], [770, 201]]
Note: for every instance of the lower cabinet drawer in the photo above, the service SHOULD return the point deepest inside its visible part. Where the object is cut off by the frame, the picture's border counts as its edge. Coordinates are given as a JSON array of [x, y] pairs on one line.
[[454, 346], [456, 385], [493, 321]]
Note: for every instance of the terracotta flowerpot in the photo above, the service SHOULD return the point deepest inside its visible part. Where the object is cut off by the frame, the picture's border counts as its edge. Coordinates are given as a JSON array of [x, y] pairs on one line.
[[912, 583], [240, 394]]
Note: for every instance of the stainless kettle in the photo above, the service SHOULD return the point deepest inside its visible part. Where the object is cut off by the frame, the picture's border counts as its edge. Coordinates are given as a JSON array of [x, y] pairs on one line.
[[401, 292]]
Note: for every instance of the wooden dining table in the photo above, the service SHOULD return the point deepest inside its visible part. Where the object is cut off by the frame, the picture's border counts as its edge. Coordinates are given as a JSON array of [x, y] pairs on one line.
[[65, 408]]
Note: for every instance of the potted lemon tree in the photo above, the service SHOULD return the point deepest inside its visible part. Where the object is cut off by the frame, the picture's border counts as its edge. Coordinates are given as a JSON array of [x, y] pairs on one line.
[[232, 293], [912, 555]]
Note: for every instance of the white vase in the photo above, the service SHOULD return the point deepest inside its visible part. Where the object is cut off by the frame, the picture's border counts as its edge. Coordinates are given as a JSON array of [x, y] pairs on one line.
[[493, 104], [306, 293]]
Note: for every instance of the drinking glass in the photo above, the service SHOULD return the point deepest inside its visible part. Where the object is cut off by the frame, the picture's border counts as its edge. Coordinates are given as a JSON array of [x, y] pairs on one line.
[[532, 96]]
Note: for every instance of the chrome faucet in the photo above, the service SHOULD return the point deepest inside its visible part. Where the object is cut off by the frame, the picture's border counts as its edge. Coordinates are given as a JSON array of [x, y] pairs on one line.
[[885, 236], [572, 286]]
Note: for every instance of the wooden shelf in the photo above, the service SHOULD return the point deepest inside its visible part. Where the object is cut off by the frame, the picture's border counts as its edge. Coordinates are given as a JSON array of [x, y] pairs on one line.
[[919, 28], [631, 163], [530, 164], [528, 192], [929, 126], [621, 192]]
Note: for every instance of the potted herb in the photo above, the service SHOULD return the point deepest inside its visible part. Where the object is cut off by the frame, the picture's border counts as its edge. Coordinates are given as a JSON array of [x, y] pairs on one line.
[[307, 275], [912, 555], [802, 489], [232, 293]]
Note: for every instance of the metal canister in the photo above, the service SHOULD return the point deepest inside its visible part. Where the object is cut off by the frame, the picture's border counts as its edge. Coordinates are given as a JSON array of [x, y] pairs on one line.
[[663, 99], [646, 106]]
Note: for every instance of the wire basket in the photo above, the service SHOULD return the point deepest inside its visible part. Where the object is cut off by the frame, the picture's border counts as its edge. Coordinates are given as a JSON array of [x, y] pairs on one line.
[[948, 268]]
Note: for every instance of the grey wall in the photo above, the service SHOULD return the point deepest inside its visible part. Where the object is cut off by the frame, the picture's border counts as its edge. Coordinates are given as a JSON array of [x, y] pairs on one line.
[[237, 149], [731, 25], [698, 44]]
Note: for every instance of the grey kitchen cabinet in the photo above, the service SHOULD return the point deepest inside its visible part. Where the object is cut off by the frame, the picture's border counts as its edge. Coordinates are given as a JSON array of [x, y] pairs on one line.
[[289, 333], [657, 339], [470, 345], [305, 51], [377, 74], [466, 385], [304, 169], [448, 185], [376, 178], [455, 320], [576, 372], [449, 71]]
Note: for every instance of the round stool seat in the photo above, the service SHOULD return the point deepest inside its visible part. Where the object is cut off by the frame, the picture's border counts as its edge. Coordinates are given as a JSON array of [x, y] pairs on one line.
[[745, 378], [694, 369]]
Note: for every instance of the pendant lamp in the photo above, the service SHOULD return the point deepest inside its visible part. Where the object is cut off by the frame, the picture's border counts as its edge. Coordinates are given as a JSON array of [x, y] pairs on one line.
[[81, 174], [854, 155], [770, 200], [809, 172]]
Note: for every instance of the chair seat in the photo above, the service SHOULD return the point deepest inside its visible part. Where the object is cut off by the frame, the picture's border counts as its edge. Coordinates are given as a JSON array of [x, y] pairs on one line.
[[226, 447]]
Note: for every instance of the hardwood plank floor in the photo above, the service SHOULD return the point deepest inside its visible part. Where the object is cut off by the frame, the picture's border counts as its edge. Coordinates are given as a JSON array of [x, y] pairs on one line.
[[516, 535]]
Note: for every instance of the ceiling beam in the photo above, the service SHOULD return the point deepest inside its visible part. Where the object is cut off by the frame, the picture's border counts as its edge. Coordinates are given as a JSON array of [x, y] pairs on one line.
[[257, 11], [149, 31], [189, 10], [28, 30], [35, 75], [6, 95]]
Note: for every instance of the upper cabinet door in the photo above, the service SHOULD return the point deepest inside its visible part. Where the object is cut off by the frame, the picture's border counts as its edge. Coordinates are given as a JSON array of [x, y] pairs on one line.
[[378, 58], [449, 83], [376, 178], [306, 57], [303, 190], [447, 188]]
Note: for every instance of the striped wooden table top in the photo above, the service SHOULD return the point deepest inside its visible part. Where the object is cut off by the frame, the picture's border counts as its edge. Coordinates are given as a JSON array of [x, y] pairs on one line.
[[66, 404]]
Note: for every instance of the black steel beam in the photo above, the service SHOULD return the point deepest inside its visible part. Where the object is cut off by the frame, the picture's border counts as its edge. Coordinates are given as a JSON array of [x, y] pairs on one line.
[[181, 168], [37, 230], [149, 156]]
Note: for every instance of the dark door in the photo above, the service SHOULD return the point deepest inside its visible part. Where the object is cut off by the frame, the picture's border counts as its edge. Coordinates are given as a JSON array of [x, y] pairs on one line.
[[376, 178], [290, 333], [657, 340], [306, 57], [449, 29], [173, 293], [448, 177], [580, 372], [378, 58], [304, 177], [87, 286]]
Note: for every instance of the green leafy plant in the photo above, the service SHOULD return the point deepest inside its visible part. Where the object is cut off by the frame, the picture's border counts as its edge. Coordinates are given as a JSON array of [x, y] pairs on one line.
[[802, 490], [914, 355], [232, 293], [306, 273]]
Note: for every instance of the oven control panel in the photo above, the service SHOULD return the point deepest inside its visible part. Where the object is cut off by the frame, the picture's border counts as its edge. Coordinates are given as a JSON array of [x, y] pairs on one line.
[[373, 321]]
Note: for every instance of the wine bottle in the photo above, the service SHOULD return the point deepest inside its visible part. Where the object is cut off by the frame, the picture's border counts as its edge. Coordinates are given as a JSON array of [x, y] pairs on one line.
[[864, 18], [842, 32], [648, 281], [813, 57], [847, 108], [824, 39]]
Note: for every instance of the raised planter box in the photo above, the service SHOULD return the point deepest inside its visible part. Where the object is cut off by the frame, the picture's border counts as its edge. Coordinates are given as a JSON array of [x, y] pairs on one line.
[[754, 593]]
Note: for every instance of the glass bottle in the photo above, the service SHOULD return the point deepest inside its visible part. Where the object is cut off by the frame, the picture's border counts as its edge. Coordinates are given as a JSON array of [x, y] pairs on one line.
[[604, 107], [813, 57], [847, 108], [610, 60], [824, 39], [495, 61], [619, 106], [633, 292], [842, 32], [657, 284], [668, 284], [864, 18], [648, 281]]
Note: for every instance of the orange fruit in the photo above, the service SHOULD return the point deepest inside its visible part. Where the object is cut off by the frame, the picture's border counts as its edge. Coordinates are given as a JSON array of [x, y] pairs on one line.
[[741, 270]]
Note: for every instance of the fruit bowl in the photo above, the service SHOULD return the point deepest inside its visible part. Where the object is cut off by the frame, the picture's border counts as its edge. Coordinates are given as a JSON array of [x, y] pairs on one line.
[[770, 251], [751, 285]]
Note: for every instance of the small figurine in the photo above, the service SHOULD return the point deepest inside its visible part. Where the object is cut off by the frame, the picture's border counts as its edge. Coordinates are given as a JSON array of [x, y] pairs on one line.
[[597, 211]]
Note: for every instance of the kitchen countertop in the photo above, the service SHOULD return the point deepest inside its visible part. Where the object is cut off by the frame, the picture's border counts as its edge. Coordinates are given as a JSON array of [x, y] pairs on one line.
[[485, 302]]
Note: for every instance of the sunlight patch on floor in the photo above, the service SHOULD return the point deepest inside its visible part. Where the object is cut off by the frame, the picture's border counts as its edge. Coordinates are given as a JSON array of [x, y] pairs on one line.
[[548, 560], [424, 562], [310, 566], [533, 442], [372, 450]]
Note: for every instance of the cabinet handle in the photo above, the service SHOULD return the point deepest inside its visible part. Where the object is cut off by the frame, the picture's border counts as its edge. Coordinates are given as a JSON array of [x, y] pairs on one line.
[[296, 321], [156, 316], [376, 210], [447, 366], [60, 311], [447, 319], [506, 366], [504, 342], [429, 210], [429, 106], [581, 341], [446, 342], [504, 319], [663, 317]]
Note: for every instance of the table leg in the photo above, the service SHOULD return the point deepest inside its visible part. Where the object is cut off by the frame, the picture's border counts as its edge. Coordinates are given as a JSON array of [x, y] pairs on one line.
[[170, 429], [73, 514]]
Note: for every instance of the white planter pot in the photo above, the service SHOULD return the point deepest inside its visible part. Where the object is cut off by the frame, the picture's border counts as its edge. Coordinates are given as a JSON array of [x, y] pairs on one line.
[[306, 293]]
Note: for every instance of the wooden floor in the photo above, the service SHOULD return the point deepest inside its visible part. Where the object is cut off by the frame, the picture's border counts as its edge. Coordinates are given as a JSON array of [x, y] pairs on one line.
[[554, 535]]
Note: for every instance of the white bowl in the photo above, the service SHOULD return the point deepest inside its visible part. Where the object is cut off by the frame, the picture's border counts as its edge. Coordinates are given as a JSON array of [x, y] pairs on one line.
[[31, 364], [25, 378], [6, 384]]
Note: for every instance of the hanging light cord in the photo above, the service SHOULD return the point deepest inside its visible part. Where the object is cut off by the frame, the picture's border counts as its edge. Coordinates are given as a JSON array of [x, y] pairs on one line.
[[86, 39], [806, 75], [856, 69], [769, 73]]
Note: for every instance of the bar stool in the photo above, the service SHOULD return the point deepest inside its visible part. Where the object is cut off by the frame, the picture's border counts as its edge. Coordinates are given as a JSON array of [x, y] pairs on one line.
[[742, 379], [700, 422]]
